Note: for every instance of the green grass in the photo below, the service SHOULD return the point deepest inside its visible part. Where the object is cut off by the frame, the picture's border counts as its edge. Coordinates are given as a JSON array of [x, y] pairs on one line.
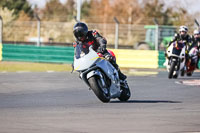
[[6, 66], [33, 67]]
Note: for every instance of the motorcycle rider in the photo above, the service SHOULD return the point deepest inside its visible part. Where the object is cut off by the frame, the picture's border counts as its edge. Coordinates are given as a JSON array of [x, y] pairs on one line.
[[85, 39], [196, 42], [196, 39], [181, 36]]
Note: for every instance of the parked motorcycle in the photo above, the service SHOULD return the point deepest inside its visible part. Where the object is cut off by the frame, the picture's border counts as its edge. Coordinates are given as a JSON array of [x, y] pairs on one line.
[[175, 59], [100, 75], [191, 61]]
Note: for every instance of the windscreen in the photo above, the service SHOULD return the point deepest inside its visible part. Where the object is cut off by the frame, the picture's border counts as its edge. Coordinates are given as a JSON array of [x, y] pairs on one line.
[[80, 51]]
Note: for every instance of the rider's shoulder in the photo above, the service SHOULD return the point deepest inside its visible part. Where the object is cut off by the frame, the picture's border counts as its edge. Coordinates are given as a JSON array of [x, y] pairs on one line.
[[192, 37], [95, 33], [189, 37], [176, 35]]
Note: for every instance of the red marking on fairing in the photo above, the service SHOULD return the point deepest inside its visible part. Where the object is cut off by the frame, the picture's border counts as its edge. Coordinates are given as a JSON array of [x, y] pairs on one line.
[[100, 55]]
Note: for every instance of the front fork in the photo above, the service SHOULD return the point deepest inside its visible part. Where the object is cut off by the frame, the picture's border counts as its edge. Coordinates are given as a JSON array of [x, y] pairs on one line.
[[89, 73], [177, 63]]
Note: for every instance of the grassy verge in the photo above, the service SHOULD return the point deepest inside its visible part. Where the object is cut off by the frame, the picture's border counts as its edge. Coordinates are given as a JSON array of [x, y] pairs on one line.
[[33, 67], [6, 66]]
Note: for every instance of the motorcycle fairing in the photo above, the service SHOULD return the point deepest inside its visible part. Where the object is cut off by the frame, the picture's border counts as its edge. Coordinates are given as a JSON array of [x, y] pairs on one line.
[[80, 62]]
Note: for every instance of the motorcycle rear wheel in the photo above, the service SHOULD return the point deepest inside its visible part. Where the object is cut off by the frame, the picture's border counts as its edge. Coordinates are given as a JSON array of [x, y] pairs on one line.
[[189, 74], [95, 85]]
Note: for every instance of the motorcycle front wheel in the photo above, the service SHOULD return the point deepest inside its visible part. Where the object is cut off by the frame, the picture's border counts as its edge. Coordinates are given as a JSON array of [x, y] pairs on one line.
[[101, 92], [171, 70]]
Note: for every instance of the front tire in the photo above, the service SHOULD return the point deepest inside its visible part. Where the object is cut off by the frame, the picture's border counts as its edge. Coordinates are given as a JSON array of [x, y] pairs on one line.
[[182, 72], [95, 85], [171, 71], [175, 76]]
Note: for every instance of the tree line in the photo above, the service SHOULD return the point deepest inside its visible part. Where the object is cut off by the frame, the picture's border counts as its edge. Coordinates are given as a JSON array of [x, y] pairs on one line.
[[100, 11]]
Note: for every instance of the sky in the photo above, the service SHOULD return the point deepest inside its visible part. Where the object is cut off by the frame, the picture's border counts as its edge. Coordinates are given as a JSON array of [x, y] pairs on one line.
[[191, 6], [41, 3]]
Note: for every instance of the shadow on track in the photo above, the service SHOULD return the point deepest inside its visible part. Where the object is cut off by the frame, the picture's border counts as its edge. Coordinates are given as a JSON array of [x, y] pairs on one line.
[[147, 101]]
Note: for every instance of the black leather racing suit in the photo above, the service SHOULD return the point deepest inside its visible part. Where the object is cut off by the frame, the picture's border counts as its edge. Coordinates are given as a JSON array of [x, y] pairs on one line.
[[195, 42]]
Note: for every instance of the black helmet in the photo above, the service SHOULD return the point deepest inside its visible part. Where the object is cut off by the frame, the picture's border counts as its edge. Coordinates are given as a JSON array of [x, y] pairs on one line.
[[80, 31]]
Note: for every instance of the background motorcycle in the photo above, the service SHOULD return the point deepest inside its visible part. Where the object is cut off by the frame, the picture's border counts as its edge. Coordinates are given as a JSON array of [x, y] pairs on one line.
[[100, 76], [175, 59]]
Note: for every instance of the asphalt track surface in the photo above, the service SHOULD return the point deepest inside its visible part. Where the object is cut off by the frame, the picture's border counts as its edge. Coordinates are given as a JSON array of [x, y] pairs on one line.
[[61, 103]]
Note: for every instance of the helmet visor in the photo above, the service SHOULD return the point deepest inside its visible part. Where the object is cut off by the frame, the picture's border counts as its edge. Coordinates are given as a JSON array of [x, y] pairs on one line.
[[79, 36]]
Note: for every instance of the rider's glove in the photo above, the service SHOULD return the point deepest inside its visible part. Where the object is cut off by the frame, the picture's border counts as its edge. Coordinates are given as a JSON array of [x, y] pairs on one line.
[[101, 49], [108, 57], [75, 44]]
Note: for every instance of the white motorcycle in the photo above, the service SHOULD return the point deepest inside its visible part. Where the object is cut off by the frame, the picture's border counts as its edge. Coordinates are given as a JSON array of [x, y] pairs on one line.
[[176, 59], [100, 75]]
